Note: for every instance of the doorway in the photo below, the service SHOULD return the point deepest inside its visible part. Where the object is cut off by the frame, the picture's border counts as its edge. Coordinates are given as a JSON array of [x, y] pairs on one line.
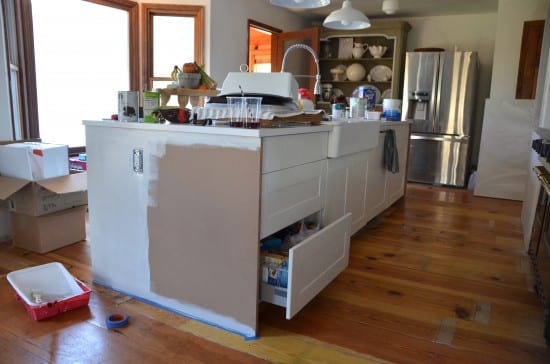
[[260, 49], [528, 70]]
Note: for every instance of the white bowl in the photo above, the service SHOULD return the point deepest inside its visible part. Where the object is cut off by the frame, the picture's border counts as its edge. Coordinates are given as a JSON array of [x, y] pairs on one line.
[[189, 80], [356, 72], [377, 51]]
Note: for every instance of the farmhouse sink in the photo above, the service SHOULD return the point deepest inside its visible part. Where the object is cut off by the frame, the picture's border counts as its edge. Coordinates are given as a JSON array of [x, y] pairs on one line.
[[348, 137]]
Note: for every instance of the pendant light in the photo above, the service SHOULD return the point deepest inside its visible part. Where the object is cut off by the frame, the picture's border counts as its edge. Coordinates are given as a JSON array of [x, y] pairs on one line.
[[390, 6], [346, 18], [300, 4]]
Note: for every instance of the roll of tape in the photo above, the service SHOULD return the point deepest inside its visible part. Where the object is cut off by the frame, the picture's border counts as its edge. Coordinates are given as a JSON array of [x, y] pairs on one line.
[[117, 320]]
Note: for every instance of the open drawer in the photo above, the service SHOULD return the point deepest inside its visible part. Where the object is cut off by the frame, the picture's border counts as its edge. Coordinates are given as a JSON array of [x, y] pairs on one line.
[[312, 265]]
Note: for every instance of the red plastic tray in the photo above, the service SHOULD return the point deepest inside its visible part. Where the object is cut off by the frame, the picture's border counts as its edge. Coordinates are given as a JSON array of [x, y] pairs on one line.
[[54, 308]]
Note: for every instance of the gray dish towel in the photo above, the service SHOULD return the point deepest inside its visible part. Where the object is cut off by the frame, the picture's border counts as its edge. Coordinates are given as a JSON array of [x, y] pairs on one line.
[[391, 158]]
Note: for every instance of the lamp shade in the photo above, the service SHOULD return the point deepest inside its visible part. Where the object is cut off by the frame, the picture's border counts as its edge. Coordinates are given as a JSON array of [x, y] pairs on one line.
[[390, 6], [346, 18], [303, 4]]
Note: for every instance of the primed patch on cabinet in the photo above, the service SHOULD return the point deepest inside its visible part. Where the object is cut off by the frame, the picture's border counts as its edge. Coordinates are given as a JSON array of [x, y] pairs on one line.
[[203, 229]]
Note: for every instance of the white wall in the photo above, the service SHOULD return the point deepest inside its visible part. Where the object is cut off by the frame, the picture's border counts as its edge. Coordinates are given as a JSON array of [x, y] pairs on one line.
[[229, 31], [511, 16], [502, 169], [226, 33]]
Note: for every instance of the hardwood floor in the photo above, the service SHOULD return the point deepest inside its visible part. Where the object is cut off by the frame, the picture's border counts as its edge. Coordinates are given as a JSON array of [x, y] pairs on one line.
[[441, 278]]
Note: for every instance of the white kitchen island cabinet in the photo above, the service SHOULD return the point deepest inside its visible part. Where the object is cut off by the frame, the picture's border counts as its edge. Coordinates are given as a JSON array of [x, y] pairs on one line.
[[359, 183], [177, 212]]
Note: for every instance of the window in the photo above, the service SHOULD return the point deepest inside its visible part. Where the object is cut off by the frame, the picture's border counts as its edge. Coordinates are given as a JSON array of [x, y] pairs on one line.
[[19, 105], [64, 56], [80, 49], [173, 36], [81, 60], [10, 104]]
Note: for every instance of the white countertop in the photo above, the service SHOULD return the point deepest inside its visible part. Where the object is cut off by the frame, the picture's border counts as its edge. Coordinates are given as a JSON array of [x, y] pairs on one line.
[[224, 129], [214, 129]]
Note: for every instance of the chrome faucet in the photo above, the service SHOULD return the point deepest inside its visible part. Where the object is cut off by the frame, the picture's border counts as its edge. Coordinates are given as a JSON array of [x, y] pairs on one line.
[[317, 86]]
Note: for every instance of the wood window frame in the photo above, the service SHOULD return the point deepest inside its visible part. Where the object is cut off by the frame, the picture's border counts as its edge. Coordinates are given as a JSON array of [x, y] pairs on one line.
[[28, 104], [148, 11]]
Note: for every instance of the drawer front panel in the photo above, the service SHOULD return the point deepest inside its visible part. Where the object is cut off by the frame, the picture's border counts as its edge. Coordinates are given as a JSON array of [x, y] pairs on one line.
[[315, 262], [291, 194], [287, 151], [312, 265]]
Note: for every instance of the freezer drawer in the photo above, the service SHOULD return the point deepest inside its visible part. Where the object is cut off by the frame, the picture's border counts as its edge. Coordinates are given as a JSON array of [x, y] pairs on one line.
[[312, 265], [438, 160]]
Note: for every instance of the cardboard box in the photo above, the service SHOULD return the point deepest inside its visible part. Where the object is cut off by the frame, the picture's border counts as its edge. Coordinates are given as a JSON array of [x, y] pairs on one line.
[[44, 233], [45, 196], [34, 161]]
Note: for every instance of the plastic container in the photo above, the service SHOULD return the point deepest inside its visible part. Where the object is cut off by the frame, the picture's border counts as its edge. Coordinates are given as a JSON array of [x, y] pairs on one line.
[[48, 290], [128, 106], [372, 115], [391, 109]]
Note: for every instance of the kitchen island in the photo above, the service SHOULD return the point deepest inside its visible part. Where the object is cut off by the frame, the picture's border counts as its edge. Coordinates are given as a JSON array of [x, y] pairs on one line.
[[177, 213]]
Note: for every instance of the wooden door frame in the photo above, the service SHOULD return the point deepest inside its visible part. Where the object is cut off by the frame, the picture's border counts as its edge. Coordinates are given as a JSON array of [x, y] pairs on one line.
[[531, 45], [261, 26], [278, 49]]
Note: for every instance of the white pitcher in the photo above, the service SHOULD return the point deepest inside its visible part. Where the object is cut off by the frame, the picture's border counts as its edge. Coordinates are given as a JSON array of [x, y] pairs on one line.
[[359, 49]]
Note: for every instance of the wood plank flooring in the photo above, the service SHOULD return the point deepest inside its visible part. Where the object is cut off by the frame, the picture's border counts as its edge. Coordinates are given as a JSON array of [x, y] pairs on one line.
[[442, 277]]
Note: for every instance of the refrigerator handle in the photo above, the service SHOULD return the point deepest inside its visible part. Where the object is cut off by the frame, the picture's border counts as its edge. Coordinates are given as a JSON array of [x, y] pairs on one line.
[[440, 137], [438, 82]]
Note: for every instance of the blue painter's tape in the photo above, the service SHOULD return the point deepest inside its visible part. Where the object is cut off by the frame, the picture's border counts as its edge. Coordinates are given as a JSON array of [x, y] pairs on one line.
[[117, 320], [155, 304]]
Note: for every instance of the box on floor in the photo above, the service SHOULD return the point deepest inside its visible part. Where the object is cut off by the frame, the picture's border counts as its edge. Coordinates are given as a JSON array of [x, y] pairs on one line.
[[48, 232], [45, 196], [34, 161]]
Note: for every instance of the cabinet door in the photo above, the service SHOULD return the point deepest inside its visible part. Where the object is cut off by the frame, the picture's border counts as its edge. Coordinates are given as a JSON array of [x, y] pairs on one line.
[[376, 181], [117, 203], [346, 189], [395, 182]]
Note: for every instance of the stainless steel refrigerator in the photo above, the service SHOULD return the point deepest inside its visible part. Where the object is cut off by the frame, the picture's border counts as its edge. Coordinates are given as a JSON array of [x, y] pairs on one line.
[[438, 98]]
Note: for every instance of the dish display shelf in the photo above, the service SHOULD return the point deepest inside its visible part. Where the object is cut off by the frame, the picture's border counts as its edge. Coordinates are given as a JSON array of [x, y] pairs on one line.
[[184, 95], [336, 51]]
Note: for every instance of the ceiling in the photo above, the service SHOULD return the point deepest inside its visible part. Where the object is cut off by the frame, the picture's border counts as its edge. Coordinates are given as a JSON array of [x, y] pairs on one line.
[[407, 8]]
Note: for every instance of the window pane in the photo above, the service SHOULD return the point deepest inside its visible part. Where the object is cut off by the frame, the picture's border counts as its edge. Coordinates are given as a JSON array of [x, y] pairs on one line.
[[10, 25], [173, 43], [82, 61], [16, 113]]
